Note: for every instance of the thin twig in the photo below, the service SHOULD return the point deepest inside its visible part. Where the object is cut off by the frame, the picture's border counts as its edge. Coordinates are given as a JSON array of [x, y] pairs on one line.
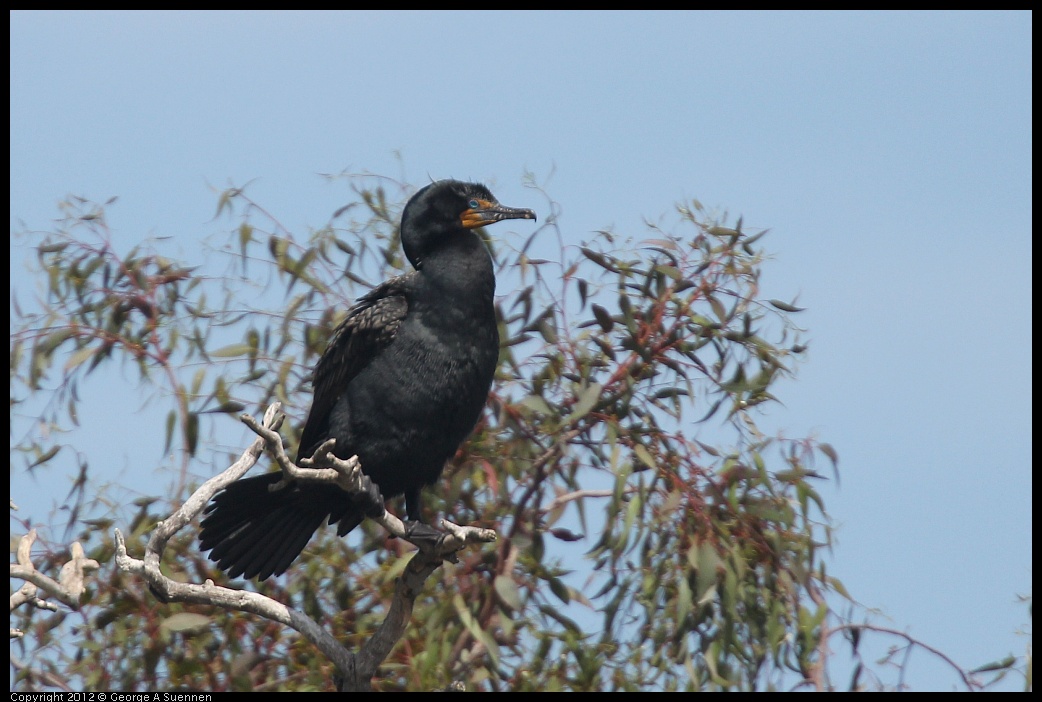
[[969, 682]]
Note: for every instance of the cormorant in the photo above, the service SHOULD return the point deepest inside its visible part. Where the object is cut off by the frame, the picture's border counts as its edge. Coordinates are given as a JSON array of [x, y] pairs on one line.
[[401, 384]]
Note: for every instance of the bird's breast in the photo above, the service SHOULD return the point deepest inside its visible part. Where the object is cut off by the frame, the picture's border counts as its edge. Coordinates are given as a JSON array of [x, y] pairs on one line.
[[423, 394]]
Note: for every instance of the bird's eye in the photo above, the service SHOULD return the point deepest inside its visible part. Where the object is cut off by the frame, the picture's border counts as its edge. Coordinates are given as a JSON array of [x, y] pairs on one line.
[[474, 204]]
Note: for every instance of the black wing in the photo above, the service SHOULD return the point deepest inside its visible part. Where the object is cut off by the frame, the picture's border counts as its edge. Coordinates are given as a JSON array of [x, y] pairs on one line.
[[369, 327]]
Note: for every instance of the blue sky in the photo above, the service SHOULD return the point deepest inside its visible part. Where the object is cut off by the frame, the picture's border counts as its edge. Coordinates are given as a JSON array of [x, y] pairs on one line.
[[889, 154]]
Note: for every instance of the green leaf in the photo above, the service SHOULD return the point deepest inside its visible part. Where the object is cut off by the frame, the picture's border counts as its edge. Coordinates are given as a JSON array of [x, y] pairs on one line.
[[709, 564], [197, 380], [785, 306], [567, 623], [586, 402], [600, 259], [537, 404], [1003, 664], [839, 587], [227, 407], [718, 309], [245, 237], [683, 600], [192, 432], [185, 623], [560, 589], [475, 629], [507, 591], [547, 330], [53, 341], [79, 357], [644, 455], [603, 318], [46, 456], [707, 448], [171, 422], [231, 351], [671, 271]]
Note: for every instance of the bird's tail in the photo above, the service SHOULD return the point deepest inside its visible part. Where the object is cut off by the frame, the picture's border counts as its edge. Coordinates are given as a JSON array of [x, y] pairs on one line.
[[256, 533]]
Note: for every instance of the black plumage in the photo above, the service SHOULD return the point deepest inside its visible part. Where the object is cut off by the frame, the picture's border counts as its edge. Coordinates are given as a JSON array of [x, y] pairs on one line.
[[401, 384]]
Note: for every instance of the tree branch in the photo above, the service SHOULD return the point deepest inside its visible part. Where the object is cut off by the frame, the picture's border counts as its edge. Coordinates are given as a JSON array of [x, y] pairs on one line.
[[355, 669], [67, 589]]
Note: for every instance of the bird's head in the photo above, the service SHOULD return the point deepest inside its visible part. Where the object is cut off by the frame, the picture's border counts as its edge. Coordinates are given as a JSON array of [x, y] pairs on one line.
[[448, 208]]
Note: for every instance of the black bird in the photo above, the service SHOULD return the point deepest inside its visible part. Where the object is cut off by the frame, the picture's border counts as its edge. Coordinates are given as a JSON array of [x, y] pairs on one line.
[[401, 384]]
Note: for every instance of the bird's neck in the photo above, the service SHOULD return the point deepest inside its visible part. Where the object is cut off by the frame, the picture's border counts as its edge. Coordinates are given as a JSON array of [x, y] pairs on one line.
[[462, 271]]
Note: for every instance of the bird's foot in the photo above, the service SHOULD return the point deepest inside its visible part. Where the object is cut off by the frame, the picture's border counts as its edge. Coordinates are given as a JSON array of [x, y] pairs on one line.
[[368, 498], [423, 536]]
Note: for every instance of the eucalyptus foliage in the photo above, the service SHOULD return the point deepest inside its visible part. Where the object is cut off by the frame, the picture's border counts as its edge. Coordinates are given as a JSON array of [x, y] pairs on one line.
[[652, 537]]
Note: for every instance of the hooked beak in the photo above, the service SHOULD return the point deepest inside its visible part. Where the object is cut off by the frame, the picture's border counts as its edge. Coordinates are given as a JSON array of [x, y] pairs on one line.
[[491, 212]]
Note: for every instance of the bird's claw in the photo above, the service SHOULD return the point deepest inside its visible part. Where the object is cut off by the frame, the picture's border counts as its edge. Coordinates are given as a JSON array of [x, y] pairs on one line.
[[423, 536], [368, 498]]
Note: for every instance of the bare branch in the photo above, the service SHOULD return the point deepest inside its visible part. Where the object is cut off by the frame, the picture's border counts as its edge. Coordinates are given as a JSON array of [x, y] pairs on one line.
[[968, 681], [574, 495], [67, 589], [356, 670]]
